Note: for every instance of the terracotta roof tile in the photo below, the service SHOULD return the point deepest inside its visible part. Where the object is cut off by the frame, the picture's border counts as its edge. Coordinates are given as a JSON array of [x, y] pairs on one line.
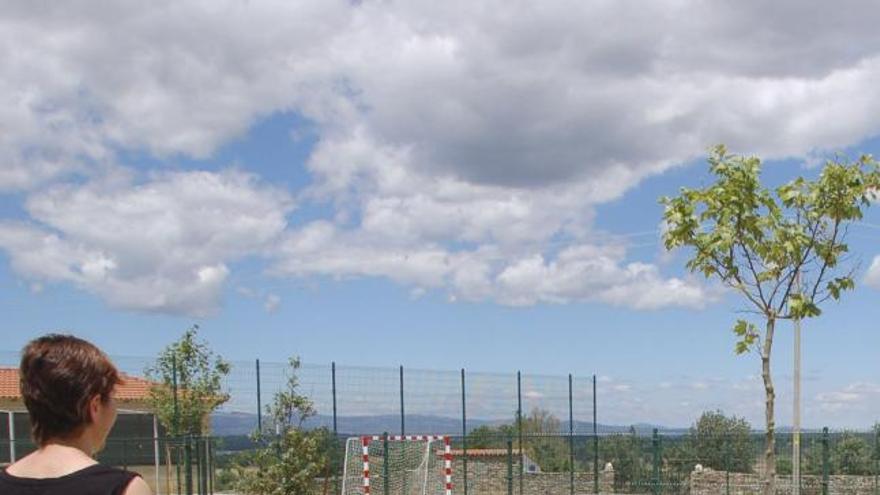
[[133, 389], [9, 383]]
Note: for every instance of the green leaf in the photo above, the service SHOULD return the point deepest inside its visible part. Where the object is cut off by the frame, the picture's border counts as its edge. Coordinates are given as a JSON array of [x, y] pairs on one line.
[[747, 334], [802, 307]]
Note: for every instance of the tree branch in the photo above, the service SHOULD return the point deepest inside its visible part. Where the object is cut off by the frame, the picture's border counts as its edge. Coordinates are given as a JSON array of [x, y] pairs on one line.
[[797, 268], [825, 262], [726, 276], [754, 272]]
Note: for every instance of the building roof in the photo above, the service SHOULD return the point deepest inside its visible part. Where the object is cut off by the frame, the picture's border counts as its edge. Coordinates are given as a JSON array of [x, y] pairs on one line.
[[9, 384], [133, 389]]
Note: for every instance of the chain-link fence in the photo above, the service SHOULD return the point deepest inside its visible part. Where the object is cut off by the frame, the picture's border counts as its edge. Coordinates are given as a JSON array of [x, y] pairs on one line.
[[511, 433], [360, 400], [832, 463]]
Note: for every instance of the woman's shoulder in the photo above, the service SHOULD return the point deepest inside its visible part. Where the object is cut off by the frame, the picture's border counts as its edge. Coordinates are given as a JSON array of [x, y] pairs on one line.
[[97, 478], [137, 486], [43, 465], [119, 481], [124, 482]]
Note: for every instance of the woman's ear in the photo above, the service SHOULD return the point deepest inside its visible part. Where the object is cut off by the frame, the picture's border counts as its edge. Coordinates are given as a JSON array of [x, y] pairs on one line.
[[94, 408]]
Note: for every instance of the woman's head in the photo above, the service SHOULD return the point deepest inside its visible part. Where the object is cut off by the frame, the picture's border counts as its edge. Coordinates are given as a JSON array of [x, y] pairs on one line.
[[67, 385]]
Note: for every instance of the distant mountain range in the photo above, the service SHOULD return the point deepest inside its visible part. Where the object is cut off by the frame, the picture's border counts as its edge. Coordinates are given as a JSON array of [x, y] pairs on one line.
[[228, 424]]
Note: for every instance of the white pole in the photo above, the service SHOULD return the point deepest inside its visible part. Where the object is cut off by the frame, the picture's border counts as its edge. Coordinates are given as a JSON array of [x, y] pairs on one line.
[[11, 437], [796, 440], [156, 451]]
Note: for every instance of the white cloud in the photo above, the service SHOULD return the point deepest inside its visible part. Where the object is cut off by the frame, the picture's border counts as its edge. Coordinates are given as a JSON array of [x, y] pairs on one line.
[[751, 383], [246, 292], [163, 245], [840, 398], [460, 143], [477, 241], [856, 399], [533, 395], [543, 94], [272, 303], [580, 273], [872, 277]]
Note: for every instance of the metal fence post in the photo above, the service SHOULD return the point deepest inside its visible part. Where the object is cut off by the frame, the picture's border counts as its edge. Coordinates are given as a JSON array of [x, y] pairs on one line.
[[509, 466], [402, 424], [11, 437], [11, 430], [174, 391], [570, 437], [595, 442], [176, 422], [203, 463], [336, 448], [210, 445], [402, 414], [464, 432], [156, 455], [727, 455], [519, 426], [825, 456], [385, 463], [259, 405], [197, 459], [206, 473], [333, 393], [655, 481], [876, 459], [187, 464]]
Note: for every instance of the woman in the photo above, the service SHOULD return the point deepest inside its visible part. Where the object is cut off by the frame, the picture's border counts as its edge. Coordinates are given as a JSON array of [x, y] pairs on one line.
[[68, 387]]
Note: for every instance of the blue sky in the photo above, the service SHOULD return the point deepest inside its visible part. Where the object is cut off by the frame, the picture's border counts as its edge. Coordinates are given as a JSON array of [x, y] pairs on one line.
[[397, 191]]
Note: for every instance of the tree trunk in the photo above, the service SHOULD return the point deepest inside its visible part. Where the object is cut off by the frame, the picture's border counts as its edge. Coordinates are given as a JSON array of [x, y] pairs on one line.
[[769, 481]]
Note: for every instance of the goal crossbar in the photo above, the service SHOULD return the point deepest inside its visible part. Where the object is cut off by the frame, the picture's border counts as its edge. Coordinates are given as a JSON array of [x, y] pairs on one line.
[[447, 454]]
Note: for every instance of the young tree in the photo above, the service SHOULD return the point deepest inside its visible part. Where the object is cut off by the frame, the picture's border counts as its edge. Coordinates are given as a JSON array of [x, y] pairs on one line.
[[290, 459], [760, 242], [848, 453], [488, 437], [851, 455], [543, 444], [722, 442], [626, 455], [199, 384], [876, 449]]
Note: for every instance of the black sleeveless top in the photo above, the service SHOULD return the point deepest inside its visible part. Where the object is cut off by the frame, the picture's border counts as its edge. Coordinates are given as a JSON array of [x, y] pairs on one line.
[[93, 480]]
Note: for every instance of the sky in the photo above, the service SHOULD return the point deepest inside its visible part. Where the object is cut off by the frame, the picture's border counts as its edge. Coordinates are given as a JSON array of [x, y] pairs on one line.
[[433, 184]]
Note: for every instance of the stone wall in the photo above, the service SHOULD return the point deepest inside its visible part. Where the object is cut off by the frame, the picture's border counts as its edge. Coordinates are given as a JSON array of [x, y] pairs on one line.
[[710, 482], [490, 477]]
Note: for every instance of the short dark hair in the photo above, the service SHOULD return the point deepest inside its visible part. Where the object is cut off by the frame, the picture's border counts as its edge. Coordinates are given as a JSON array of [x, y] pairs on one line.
[[59, 375]]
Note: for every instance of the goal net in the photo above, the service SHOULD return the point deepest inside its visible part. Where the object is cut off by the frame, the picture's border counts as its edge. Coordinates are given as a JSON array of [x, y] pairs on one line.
[[397, 465]]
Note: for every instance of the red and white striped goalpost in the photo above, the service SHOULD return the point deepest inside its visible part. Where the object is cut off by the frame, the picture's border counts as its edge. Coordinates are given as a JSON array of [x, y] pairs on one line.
[[447, 454]]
